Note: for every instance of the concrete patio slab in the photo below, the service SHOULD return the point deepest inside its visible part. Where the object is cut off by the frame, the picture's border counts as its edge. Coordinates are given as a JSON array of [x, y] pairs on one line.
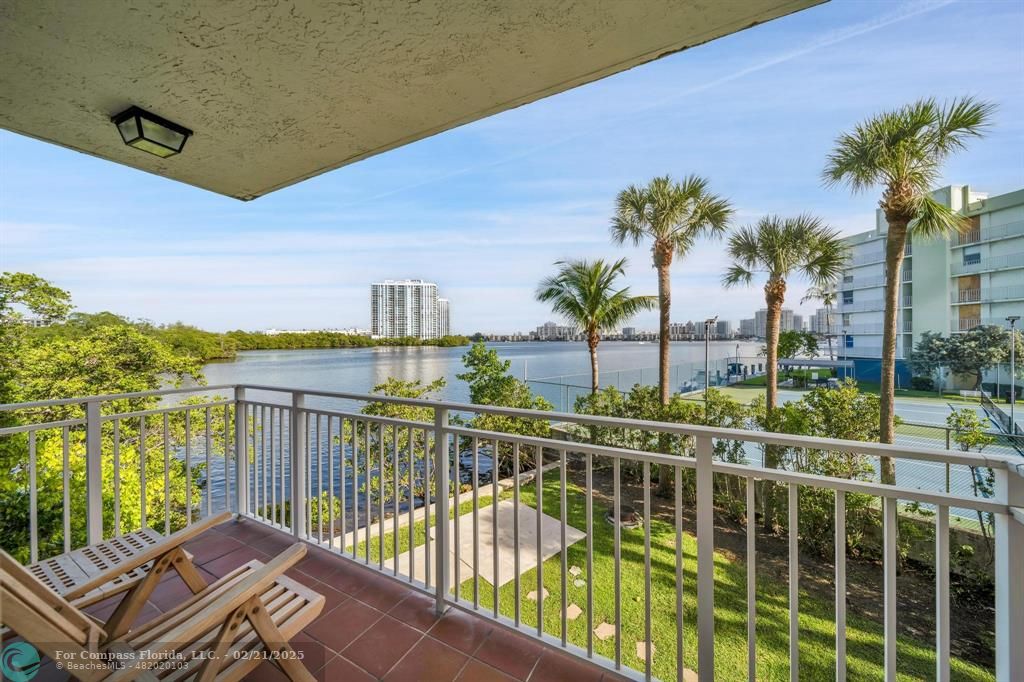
[[415, 562]]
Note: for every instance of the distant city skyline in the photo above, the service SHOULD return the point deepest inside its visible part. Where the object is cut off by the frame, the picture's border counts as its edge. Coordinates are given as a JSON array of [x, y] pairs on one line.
[[485, 209]]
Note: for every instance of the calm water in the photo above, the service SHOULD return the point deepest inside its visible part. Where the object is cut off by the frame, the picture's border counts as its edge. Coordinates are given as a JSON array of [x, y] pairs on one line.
[[551, 367], [555, 370], [358, 370]]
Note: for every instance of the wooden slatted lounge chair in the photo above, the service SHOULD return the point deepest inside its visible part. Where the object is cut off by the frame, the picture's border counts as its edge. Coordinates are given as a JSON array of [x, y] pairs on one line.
[[91, 574], [221, 633]]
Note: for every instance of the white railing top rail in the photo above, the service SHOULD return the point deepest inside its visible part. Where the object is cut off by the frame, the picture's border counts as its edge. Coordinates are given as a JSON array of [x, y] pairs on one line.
[[763, 437], [9, 407], [766, 437], [746, 470]]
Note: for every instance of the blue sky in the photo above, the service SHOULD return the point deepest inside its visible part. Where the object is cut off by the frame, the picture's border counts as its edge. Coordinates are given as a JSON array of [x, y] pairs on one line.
[[485, 209]]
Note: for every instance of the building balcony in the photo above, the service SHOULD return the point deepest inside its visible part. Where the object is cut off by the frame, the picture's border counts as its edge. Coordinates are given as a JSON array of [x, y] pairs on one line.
[[435, 569], [876, 327], [966, 324], [989, 234], [989, 264], [993, 294], [877, 256]]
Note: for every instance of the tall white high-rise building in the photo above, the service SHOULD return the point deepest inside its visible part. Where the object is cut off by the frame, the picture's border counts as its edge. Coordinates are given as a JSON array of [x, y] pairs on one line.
[[761, 321], [444, 324], [407, 307]]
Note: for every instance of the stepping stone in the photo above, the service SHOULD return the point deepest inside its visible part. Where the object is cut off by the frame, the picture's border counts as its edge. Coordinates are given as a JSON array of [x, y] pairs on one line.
[[689, 675], [573, 612], [532, 595], [575, 571], [579, 583], [641, 651], [604, 631]]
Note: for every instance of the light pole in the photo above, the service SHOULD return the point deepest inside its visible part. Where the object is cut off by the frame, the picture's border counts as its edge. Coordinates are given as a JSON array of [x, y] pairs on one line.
[[708, 323], [844, 354], [1012, 319]]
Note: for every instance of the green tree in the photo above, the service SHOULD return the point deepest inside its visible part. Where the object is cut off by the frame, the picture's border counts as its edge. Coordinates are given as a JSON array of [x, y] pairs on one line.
[[979, 349], [929, 356], [643, 403], [22, 293], [672, 217], [491, 384], [585, 294], [402, 451], [968, 433], [903, 151], [844, 413], [794, 343], [780, 248], [94, 359]]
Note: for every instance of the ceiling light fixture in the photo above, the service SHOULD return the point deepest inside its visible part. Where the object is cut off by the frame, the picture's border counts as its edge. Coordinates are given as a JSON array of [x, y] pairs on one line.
[[150, 133]]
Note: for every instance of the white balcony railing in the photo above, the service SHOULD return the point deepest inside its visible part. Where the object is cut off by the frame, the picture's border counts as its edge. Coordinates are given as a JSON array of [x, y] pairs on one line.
[[965, 324], [876, 327], [316, 467], [965, 296], [990, 263], [876, 256], [989, 234], [1012, 293]]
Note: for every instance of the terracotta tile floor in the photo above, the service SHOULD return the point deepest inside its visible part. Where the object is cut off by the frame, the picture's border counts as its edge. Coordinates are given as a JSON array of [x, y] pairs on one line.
[[372, 627]]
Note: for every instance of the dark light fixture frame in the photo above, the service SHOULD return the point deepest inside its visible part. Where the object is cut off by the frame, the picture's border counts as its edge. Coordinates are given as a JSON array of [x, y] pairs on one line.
[[139, 114]]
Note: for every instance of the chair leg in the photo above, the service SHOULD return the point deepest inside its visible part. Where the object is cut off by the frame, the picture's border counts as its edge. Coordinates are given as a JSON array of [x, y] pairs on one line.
[[131, 604], [188, 571], [225, 637], [274, 641]]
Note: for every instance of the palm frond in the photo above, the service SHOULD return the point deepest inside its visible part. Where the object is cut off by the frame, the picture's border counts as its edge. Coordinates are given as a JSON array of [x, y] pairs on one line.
[[584, 293], [779, 247], [676, 213], [903, 149], [935, 219]]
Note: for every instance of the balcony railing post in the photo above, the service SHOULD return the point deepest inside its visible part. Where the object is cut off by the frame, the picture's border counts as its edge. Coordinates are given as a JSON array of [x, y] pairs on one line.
[[441, 476], [1009, 573], [241, 453], [705, 560], [297, 430], [94, 471]]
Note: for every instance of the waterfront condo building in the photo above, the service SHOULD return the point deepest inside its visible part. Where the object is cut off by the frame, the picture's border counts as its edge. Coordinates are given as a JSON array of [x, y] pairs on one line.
[[948, 285], [409, 307], [761, 322], [444, 325]]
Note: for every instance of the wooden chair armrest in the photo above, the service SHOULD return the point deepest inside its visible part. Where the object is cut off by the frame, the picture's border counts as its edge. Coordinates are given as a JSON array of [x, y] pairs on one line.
[[151, 553]]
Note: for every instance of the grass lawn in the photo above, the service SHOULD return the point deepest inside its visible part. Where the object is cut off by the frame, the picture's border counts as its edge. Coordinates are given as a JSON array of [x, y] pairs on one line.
[[817, 630]]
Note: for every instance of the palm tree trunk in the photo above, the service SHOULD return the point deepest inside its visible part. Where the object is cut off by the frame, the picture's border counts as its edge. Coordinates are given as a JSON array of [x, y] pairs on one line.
[[592, 341], [894, 251], [774, 295], [663, 261], [665, 303]]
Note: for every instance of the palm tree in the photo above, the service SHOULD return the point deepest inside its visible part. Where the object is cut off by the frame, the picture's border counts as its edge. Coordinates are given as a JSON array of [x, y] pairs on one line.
[[903, 151], [779, 248], [584, 293], [672, 216], [827, 296]]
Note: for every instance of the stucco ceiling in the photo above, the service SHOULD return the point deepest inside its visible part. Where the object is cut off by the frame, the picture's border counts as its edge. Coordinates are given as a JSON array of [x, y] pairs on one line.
[[279, 91]]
